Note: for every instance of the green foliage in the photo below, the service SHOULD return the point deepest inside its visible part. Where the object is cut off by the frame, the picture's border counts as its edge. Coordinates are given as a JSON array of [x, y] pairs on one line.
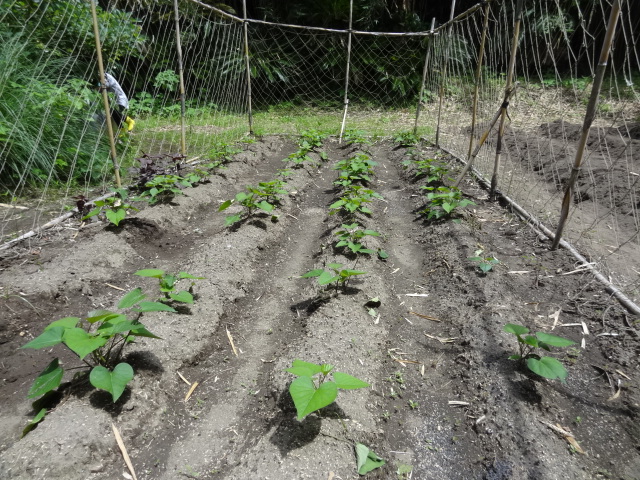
[[220, 154], [167, 284], [431, 169], [354, 199], [336, 275], [310, 141], [266, 196], [485, 264], [358, 168], [444, 201], [407, 139], [309, 396], [366, 459], [113, 208], [163, 188], [97, 340], [547, 367], [350, 236], [357, 138]]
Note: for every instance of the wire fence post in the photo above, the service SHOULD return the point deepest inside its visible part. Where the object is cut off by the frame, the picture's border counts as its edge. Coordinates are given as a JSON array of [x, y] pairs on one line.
[[105, 97], [346, 76], [588, 119], [476, 90], [183, 126], [443, 78], [511, 69], [248, 66], [424, 76]]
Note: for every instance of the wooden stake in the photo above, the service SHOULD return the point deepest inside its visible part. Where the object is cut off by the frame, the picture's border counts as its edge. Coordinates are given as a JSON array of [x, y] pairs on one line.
[[248, 67], [346, 76], [588, 120], [424, 77], [105, 97], [183, 126]]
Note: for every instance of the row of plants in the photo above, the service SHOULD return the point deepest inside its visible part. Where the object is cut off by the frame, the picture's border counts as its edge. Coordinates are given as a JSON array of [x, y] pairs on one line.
[[446, 202]]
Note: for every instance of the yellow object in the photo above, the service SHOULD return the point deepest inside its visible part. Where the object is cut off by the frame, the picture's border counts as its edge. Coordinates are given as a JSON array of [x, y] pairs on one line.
[[130, 123]]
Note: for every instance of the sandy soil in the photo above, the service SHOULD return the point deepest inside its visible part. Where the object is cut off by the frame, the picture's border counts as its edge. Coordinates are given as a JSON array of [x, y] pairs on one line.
[[420, 354]]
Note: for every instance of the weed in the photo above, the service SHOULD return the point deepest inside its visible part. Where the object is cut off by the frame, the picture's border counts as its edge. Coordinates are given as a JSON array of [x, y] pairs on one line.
[[485, 264], [443, 201], [547, 367], [309, 396], [336, 275], [167, 284]]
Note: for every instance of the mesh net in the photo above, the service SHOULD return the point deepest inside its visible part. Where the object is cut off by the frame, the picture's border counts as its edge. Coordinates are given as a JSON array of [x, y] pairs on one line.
[[53, 144]]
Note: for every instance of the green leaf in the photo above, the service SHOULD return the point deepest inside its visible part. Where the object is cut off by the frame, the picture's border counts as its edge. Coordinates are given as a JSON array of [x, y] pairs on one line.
[[313, 273], [34, 421], [515, 329], [116, 216], [485, 267], [231, 219], [225, 205], [154, 307], [188, 275], [183, 296], [92, 213], [547, 367], [515, 357], [327, 277], [266, 206], [136, 295], [531, 340], [383, 255], [347, 382], [366, 459], [553, 340], [335, 266], [48, 338], [80, 342], [99, 315], [308, 399], [49, 379], [67, 322], [113, 382], [302, 368], [150, 272]]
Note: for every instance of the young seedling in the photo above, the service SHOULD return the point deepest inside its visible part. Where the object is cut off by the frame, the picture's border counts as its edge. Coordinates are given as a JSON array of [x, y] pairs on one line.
[[221, 154], [485, 264], [264, 197], [351, 235], [113, 208], [353, 200], [163, 188], [167, 284], [547, 367], [98, 341], [430, 169], [310, 394], [358, 168], [443, 201], [336, 275], [407, 139]]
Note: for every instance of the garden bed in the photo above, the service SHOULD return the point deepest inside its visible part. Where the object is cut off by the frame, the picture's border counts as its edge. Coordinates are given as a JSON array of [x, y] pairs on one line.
[[444, 399]]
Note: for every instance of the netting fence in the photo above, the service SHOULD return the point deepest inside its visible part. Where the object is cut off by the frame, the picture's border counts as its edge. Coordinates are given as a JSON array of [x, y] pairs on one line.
[[446, 83]]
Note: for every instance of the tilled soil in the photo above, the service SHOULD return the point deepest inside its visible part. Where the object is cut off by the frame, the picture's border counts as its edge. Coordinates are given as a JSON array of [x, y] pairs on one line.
[[445, 401]]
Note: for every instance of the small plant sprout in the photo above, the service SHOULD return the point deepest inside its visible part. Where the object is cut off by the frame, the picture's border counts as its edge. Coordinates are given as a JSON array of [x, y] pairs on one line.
[[547, 367], [443, 201], [336, 275], [163, 188], [265, 197], [485, 263], [167, 283], [98, 341], [413, 405], [351, 235], [407, 139], [311, 393], [354, 199], [113, 208]]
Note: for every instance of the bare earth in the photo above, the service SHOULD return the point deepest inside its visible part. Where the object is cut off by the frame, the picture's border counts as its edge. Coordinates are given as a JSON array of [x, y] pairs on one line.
[[419, 355]]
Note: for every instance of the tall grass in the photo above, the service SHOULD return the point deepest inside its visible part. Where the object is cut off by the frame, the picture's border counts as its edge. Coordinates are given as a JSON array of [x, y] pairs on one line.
[[45, 137]]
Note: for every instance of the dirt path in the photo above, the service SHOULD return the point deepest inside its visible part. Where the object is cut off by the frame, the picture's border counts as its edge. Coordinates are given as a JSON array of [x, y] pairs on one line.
[[420, 354]]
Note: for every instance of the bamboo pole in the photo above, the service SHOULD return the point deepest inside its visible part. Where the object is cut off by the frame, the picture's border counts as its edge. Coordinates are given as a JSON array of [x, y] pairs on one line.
[[476, 90], [485, 135], [424, 78], [443, 78], [503, 115], [588, 119], [183, 125], [248, 66], [105, 97], [346, 77]]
